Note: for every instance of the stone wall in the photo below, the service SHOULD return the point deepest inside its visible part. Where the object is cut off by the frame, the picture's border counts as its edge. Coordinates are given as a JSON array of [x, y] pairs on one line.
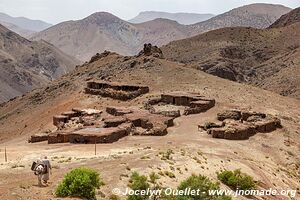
[[105, 135], [38, 138], [115, 90]]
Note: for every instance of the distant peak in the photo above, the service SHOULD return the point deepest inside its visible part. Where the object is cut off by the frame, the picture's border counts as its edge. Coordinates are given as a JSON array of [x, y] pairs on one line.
[[101, 17]]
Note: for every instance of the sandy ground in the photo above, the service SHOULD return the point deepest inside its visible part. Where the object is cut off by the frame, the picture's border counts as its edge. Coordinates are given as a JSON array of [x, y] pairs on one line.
[[194, 152], [271, 158]]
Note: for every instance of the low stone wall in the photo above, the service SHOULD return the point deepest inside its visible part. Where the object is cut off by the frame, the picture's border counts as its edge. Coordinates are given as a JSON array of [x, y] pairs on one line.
[[239, 115], [59, 137], [115, 90], [114, 121], [106, 135], [38, 138]]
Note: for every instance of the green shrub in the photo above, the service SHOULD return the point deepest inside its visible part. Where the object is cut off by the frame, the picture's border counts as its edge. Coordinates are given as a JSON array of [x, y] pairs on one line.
[[138, 182], [153, 178], [237, 180], [204, 184], [80, 182]]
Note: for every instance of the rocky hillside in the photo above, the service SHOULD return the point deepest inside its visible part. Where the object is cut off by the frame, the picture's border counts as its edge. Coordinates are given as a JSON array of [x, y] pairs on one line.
[[190, 148], [268, 58], [181, 18], [254, 15], [287, 19], [26, 65], [104, 31], [23, 32]]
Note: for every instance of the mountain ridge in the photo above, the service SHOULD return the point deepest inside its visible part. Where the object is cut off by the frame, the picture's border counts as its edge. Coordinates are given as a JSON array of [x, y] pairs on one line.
[[180, 17], [104, 31], [23, 25], [26, 64], [261, 57]]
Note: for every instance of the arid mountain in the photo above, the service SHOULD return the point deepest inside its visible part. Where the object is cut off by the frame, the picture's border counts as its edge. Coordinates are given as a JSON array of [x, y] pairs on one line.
[[276, 153], [23, 32], [268, 58], [22, 25], [181, 18], [254, 15], [103, 31], [26, 65], [287, 19]]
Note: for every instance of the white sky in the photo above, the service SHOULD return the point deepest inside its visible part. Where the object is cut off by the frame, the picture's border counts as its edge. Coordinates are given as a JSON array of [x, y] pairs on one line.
[[55, 11]]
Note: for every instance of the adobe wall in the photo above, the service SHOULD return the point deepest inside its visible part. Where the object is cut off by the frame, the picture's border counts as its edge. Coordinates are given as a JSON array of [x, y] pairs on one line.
[[108, 135], [115, 90], [38, 138]]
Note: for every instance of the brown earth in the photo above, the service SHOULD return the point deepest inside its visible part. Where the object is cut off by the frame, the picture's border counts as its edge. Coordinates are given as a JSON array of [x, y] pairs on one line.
[[268, 58], [104, 31], [26, 65], [287, 19], [271, 158]]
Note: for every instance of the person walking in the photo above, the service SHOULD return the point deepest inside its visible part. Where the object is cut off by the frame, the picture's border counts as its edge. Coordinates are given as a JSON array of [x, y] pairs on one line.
[[48, 170]]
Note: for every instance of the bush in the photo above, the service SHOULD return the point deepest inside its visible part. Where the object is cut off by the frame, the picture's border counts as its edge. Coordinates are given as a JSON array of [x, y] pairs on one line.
[[138, 182], [202, 183], [80, 182], [237, 180]]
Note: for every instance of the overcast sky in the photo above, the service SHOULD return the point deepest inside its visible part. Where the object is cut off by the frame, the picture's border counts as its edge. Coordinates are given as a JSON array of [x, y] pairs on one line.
[[55, 11]]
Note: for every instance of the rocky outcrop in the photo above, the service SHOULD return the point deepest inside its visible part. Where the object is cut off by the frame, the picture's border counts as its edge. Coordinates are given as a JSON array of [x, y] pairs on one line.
[[98, 56], [287, 19], [150, 50]]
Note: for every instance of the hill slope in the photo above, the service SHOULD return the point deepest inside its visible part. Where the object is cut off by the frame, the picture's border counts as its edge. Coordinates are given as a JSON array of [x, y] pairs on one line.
[[23, 32], [181, 18], [267, 58], [26, 65], [287, 19], [33, 113], [103, 31], [25, 23], [254, 15]]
